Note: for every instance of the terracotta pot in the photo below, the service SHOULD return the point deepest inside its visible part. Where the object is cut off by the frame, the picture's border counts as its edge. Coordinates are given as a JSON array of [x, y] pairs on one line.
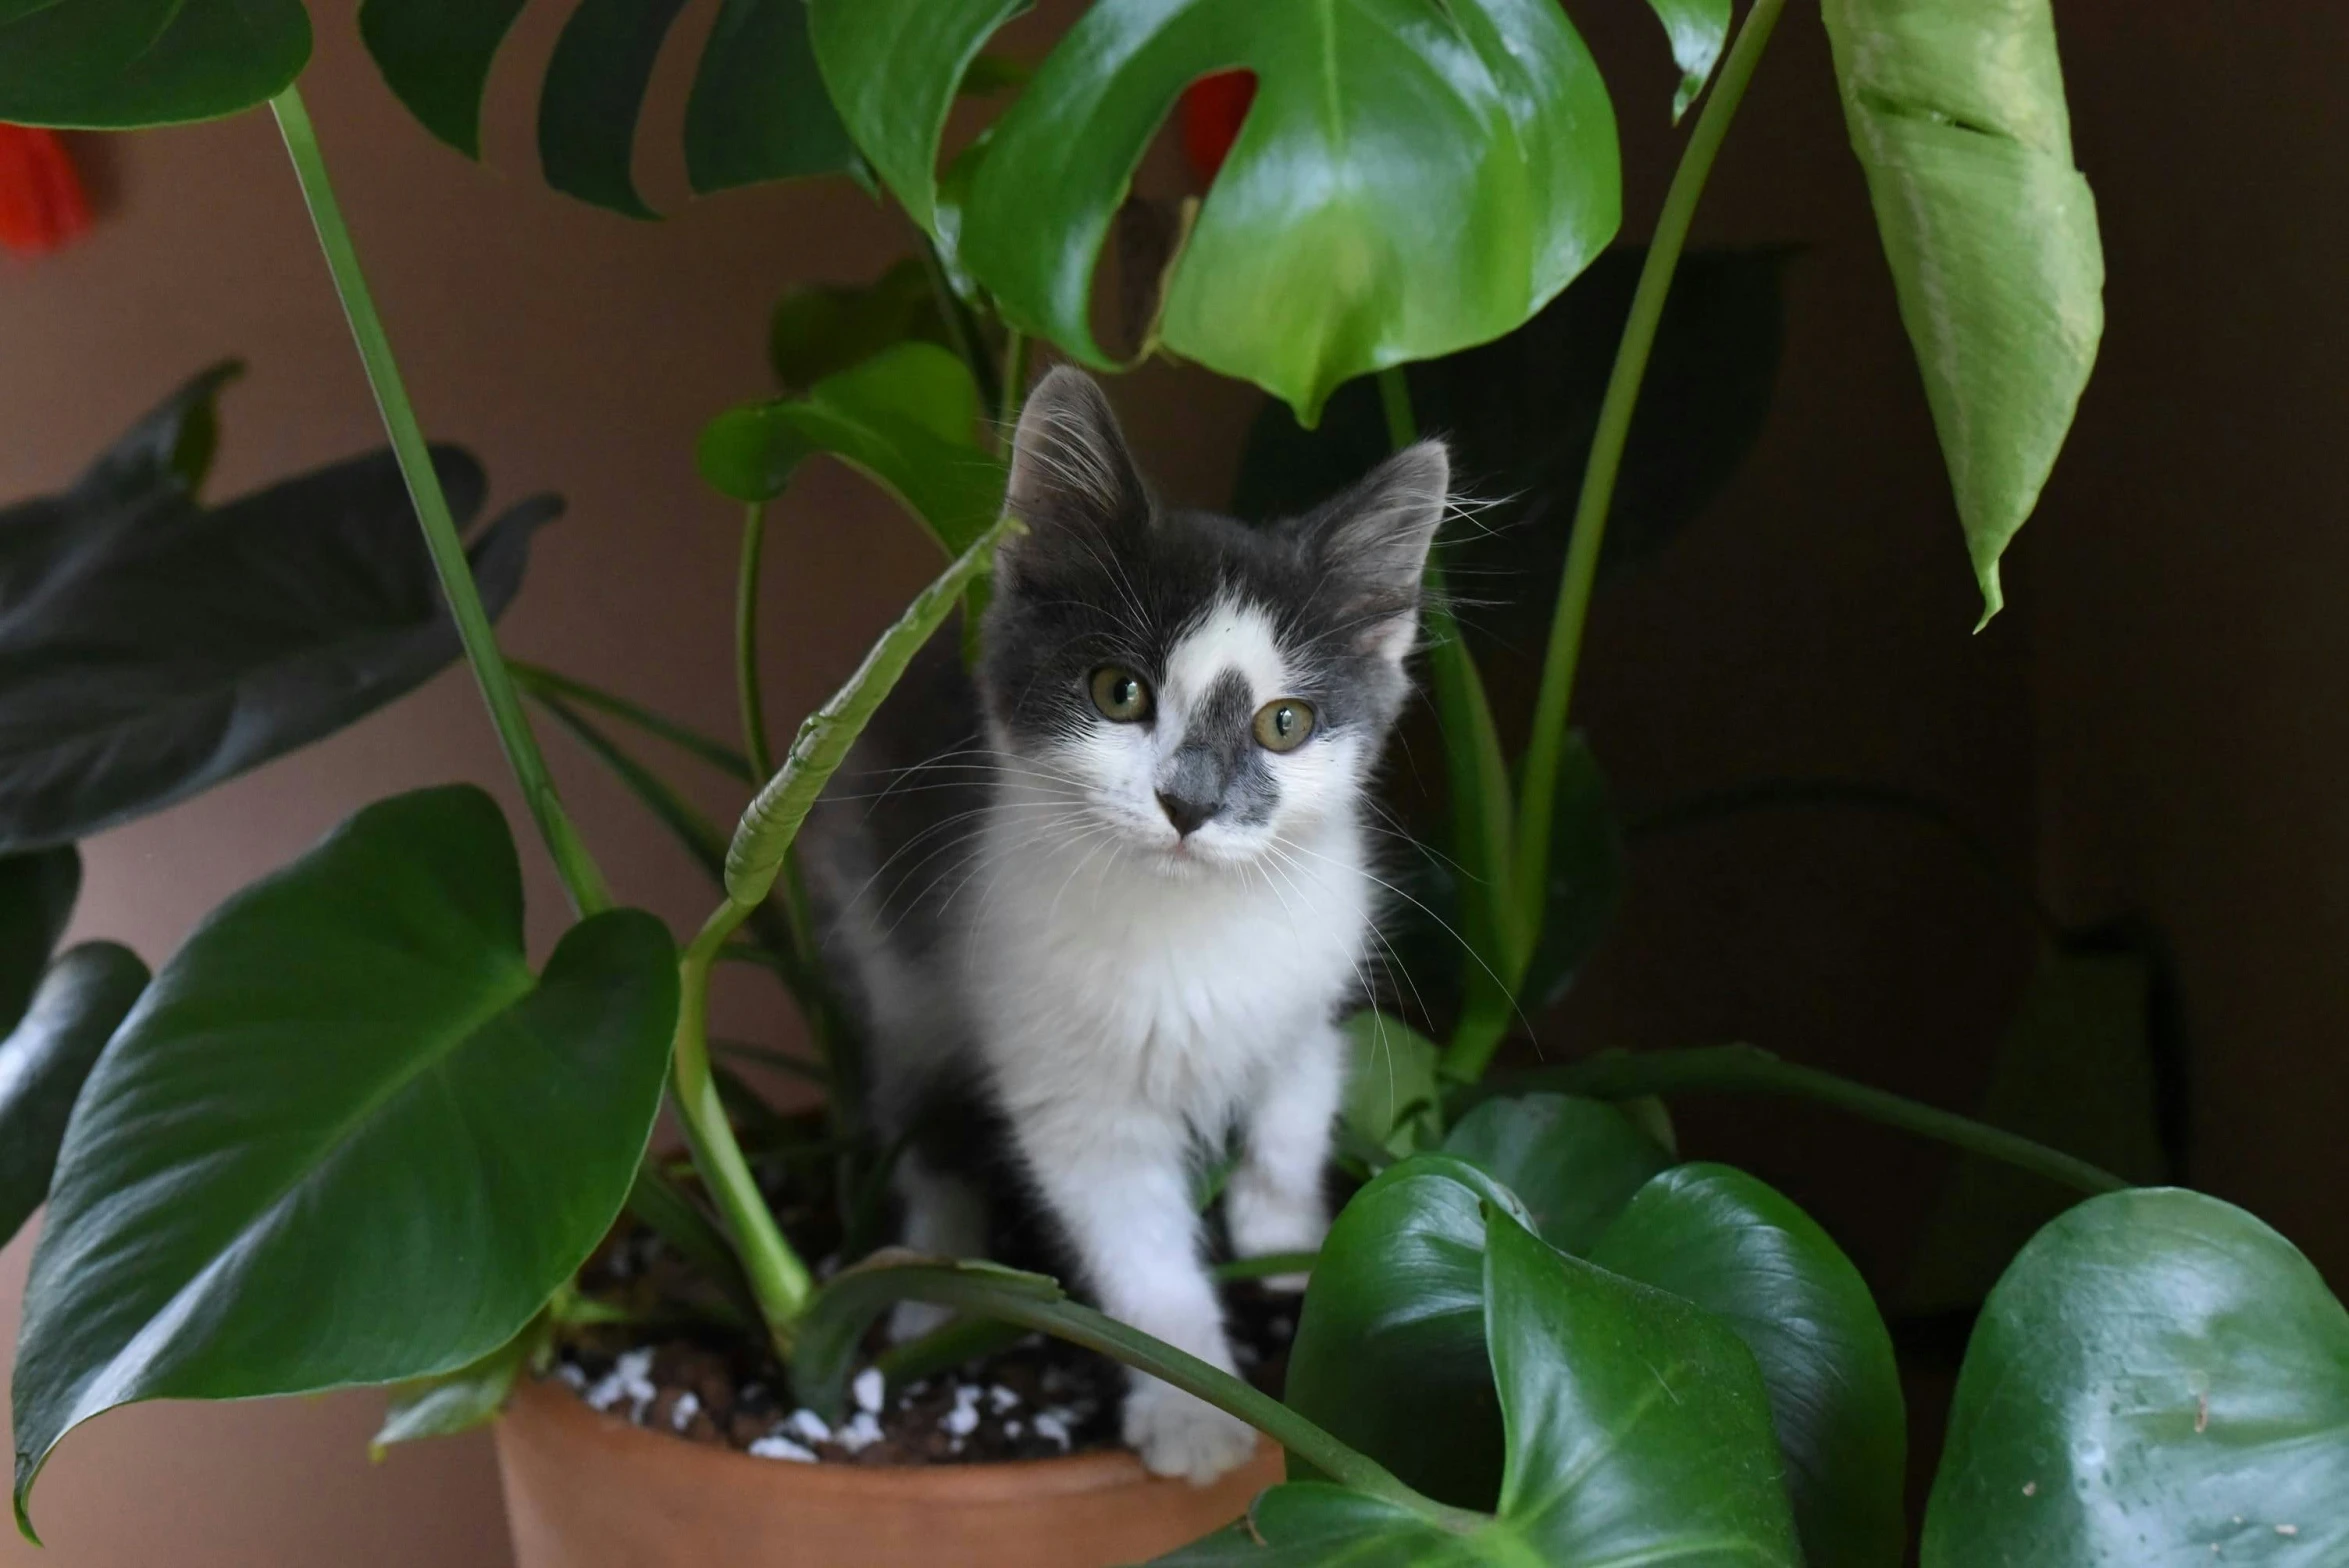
[[585, 1490]]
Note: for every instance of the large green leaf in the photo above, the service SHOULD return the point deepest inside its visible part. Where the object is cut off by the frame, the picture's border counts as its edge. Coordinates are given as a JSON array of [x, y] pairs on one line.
[[151, 647], [44, 1061], [346, 1137], [908, 417], [2161, 1381], [1956, 109], [1390, 1354], [758, 109], [1574, 1163], [1744, 1253], [36, 899], [1411, 178], [1393, 1102], [1698, 29], [116, 65], [1519, 414], [1637, 1433]]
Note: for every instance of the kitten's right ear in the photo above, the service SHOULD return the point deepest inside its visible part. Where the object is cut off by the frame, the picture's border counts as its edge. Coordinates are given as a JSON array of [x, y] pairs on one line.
[[1069, 463]]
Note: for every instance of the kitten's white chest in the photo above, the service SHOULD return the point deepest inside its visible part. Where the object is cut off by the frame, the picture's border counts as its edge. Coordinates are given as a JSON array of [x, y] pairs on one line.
[[1104, 978]]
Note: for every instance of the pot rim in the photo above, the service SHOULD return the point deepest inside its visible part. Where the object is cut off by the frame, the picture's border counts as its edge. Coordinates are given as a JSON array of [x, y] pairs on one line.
[[549, 1402]]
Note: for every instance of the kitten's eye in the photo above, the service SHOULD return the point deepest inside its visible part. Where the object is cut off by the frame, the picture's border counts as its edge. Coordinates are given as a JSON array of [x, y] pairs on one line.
[[1120, 695], [1283, 723]]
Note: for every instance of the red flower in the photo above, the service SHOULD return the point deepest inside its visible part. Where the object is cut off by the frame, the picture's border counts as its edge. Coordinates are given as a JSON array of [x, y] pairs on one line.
[[1213, 108], [41, 202]]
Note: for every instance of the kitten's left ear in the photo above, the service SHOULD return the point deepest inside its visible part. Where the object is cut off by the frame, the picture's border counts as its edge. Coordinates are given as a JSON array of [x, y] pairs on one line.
[[1375, 538]]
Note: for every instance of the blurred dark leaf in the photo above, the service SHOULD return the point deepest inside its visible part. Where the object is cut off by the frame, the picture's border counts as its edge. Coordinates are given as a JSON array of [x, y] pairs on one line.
[[44, 1061]]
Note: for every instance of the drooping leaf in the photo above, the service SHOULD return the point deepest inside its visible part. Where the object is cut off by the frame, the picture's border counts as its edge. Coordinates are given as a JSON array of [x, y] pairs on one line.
[[1392, 1098], [908, 417], [1410, 180], [2160, 1380], [1519, 414], [1744, 1253], [151, 647], [1699, 29], [1573, 1163], [1389, 1355], [2076, 1070], [37, 891], [1637, 1431], [1957, 113], [346, 1090], [454, 1402], [763, 837], [117, 65], [758, 110], [435, 56], [44, 1061], [1588, 877], [824, 329]]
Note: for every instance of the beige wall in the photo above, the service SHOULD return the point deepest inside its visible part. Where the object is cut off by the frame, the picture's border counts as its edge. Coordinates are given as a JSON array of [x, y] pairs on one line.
[[2164, 677]]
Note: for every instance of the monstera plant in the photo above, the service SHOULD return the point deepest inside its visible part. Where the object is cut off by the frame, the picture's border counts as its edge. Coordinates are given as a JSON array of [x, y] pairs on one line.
[[1535, 1334]]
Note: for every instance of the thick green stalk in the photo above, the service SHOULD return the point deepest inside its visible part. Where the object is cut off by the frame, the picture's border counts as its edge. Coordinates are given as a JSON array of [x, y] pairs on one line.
[[746, 645], [1746, 1069], [778, 1279], [581, 878], [1539, 796]]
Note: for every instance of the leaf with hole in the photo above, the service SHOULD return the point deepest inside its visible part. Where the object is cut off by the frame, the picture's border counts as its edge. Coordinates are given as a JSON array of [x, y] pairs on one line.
[[1411, 179], [152, 647], [758, 110], [1957, 113], [346, 1089], [118, 65], [2159, 1380]]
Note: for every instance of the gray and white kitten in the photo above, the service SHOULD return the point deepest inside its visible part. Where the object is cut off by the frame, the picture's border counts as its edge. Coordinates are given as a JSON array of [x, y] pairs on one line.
[[1112, 903]]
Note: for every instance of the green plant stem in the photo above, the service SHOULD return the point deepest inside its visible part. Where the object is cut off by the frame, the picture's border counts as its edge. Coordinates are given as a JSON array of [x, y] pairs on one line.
[[970, 1291], [539, 681], [581, 877], [1539, 796], [1747, 1069], [756, 747], [779, 1281], [1015, 388]]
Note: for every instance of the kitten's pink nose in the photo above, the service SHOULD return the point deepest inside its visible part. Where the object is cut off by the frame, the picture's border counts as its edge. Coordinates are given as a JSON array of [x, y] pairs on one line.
[[1187, 815]]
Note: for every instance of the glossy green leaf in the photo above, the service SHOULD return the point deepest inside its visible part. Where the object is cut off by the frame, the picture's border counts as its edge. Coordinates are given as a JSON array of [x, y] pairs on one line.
[[772, 821], [1956, 109], [1392, 1101], [1699, 30], [1389, 1355], [435, 56], [37, 892], [117, 65], [826, 328], [44, 1061], [151, 647], [1588, 877], [1741, 1251], [2075, 1070], [908, 418], [1411, 179], [1637, 1432], [759, 110], [1573, 1163], [346, 1090], [459, 1401], [1519, 414], [2160, 1381]]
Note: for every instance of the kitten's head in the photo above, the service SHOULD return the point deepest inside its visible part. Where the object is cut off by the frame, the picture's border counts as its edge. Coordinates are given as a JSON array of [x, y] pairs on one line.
[[1199, 688]]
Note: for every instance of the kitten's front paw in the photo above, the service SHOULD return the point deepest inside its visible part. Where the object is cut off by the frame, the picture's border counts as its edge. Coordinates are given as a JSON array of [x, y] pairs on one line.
[[1181, 1436]]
